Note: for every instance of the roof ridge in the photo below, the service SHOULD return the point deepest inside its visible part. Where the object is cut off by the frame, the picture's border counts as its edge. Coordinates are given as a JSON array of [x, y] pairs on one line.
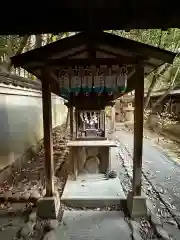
[[19, 81]]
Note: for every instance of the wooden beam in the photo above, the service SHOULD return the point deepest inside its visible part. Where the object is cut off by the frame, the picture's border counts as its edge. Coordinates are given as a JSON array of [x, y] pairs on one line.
[[138, 130], [57, 63], [48, 142], [100, 49]]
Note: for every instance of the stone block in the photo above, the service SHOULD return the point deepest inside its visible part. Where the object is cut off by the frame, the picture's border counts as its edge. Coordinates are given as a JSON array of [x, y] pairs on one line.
[[137, 206], [48, 207], [92, 151]]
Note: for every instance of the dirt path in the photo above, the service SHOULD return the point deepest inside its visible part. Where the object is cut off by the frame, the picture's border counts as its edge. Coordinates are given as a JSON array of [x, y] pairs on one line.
[[163, 142]]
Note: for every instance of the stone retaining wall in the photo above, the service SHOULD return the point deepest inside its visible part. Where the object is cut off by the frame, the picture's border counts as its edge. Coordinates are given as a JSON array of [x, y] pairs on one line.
[[21, 121]]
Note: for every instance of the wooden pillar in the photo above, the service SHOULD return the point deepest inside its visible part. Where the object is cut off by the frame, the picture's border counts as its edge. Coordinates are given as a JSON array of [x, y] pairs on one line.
[[104, 119], [71, 123], [113, 112], [71, 117], [76, 123], [138, 130], [104, 123], [100, 120], [48, 142]]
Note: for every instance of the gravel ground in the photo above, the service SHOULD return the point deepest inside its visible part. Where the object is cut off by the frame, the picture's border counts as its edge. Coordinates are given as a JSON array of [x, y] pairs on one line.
[[158, 206], [146, 230], [164, 142]]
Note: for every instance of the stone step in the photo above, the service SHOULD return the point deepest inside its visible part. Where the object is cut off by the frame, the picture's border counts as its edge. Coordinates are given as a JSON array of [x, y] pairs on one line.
[[93, 225], [92, 191]]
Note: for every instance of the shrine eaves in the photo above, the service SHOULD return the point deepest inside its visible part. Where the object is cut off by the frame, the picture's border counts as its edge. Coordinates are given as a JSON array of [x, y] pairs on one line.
[[102, 66]]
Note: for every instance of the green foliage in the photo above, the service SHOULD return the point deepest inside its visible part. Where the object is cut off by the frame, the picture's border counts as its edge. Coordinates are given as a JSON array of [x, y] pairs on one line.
[[9, 45], [168, 40]]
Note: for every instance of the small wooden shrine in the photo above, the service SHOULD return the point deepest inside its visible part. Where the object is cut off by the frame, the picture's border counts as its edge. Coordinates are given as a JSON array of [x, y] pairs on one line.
[[90, 70], [90, 125]]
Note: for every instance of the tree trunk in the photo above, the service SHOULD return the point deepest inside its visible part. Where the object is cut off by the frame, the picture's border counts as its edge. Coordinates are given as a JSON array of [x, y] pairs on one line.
[[161, 98], [38, 43], [163, 70], [150, 89], [8, 64], [29, 43], [153, 83], [49, 38], [22, 45]]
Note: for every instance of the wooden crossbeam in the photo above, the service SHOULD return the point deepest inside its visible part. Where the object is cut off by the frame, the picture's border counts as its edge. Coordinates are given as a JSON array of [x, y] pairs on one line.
[[57, 63]]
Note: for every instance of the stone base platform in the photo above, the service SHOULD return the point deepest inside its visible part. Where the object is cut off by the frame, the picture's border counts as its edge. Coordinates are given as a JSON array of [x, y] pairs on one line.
[[101, 225], [137, 206], [93, 190], [48, 207]]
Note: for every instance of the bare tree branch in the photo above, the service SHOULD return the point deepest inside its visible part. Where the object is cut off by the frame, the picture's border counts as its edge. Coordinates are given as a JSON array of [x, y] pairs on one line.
[[160, 99]]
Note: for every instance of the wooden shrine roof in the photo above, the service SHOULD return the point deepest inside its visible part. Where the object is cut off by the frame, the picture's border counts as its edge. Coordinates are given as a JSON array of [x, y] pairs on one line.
[[84, 49], [80, 15]]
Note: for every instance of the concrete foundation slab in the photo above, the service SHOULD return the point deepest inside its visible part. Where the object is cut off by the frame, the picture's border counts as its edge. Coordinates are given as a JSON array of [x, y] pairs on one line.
[[137, 206], [93, 190], [48, 207], [93, 225]]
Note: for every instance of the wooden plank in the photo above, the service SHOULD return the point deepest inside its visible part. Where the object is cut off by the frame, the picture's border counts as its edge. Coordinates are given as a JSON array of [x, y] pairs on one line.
[[138, 130], [48, 143], [71, 117], [76, 120], [92, 101], [59, 63], [90, 143]]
